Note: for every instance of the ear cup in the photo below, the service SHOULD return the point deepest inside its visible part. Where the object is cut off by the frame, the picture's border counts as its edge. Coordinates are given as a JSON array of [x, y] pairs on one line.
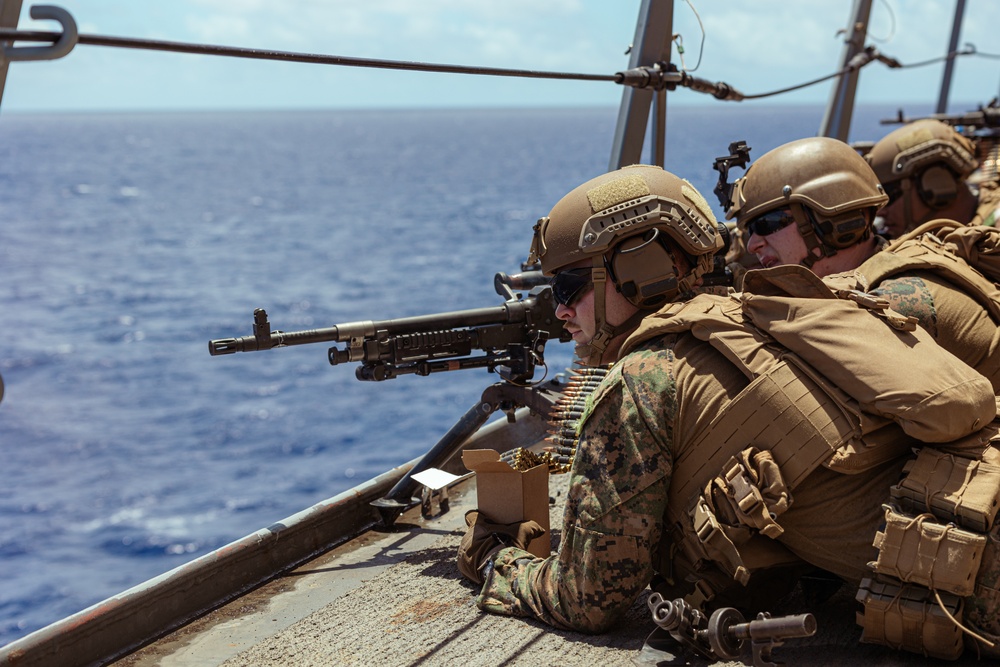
[[837, 232], [937, 187], [644, 270]]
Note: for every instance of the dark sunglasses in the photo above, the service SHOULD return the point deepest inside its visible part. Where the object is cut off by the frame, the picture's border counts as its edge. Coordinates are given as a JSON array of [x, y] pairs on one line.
[[894, 191], [770, 222], [570, 285]]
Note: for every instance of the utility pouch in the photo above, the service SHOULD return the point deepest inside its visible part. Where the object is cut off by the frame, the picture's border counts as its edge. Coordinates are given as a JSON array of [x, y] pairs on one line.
[[909, 617], [952, 488], [918, 550]]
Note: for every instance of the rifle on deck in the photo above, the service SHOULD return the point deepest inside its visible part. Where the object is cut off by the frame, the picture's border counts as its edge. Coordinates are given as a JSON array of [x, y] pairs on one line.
[[722, 635], [512, 337]]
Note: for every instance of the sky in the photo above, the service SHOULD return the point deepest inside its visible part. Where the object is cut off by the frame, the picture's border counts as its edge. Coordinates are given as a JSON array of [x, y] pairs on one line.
[[756, 46]]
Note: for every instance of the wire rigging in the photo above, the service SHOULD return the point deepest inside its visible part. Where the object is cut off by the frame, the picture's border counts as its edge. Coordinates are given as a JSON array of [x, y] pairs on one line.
[[679, 40], [292, 56], [8, 34]]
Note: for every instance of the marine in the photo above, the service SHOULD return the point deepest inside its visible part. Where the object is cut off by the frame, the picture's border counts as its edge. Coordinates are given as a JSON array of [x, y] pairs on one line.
[[732, 435], [925, 168], [813, 202]]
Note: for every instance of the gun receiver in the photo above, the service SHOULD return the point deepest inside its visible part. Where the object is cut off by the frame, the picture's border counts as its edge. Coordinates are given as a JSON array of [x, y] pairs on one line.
[[512, 335], [985, 120], [723, 634]]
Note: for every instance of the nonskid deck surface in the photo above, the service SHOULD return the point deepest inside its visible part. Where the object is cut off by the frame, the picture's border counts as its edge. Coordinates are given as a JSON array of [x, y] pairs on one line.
[[396, 598]]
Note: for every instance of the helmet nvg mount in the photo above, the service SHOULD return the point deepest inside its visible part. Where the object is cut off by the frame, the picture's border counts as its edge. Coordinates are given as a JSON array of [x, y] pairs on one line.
[[646, 230], [830, 190]]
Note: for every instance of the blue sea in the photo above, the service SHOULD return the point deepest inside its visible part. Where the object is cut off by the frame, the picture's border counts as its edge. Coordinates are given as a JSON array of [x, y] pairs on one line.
[[127, 241]]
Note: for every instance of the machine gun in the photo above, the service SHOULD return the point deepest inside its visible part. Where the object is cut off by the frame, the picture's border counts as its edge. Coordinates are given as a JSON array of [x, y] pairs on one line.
[[512, 337], [723, 634], [985, 121], [981, 126]]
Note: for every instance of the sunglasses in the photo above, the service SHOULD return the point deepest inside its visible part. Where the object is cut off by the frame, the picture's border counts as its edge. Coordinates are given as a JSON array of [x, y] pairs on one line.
[[894, 191], [770, 222], [569, 285]]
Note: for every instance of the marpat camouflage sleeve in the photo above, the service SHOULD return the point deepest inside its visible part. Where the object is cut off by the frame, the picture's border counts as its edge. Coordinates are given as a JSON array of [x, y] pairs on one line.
[[955, 320], [614, 509]]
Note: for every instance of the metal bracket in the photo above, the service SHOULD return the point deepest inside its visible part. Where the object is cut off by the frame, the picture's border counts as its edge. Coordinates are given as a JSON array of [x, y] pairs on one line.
[[63, 44]]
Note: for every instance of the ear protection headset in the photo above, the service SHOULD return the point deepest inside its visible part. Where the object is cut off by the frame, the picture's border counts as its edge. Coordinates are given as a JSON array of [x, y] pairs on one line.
[[937, 186], [835, 231], [644, 269]]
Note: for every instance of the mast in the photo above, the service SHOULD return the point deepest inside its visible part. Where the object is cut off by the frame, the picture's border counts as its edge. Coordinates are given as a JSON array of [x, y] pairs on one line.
[[651, 44], [10, 10], [837, 117], [949, 64]]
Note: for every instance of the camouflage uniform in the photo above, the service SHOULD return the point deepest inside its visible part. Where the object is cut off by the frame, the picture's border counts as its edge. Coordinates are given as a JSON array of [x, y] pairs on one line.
[[956, 321], [947, 309], [988, 206], [614, 509], [647, 412]]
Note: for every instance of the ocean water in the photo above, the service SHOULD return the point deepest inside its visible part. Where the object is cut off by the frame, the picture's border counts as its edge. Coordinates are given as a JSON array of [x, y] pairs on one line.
[[128, 241]]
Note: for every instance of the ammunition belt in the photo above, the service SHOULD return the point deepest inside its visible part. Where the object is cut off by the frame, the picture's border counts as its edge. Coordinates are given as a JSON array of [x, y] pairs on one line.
[[564, 424]]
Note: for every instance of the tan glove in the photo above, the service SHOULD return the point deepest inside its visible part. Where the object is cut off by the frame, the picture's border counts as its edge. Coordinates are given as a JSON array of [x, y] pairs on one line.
[[484, 538]]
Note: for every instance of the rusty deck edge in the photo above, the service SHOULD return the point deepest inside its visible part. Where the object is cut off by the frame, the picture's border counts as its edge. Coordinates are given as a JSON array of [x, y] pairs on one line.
[[121, 624]]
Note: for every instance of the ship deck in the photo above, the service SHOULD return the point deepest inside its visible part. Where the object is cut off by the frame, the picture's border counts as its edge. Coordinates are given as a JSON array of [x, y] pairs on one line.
[[395, 597]]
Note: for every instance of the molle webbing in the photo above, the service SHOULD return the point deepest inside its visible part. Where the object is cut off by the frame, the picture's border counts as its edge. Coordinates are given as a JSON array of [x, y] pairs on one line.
[[952, 488], [910, 618], [918, 550], [932, 555], [805, 405], [782, 412]]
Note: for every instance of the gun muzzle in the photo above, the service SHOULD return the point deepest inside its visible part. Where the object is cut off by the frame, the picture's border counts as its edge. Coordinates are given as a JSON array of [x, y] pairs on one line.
[[222, 346], [231, 345]]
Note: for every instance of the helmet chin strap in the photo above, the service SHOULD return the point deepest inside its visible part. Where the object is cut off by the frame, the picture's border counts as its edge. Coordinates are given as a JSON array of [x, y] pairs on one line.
[[592, 353], [813, 241]]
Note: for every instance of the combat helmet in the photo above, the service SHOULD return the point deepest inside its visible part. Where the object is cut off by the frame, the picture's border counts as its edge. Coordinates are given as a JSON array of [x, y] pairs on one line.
[[927, 154], [830, 190], [630, 223]]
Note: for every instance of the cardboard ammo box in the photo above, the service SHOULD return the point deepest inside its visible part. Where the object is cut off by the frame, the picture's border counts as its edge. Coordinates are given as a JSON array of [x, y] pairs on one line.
[[507, 495]]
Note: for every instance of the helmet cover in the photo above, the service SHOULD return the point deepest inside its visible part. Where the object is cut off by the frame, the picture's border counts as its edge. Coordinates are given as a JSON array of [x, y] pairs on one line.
[[908, 150], [616, 218]]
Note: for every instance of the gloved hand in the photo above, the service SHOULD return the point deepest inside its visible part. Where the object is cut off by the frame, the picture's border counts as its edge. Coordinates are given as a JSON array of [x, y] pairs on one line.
[[484, 538]]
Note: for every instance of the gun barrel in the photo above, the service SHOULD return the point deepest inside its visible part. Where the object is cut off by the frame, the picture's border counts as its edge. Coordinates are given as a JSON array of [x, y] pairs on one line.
[[512, 335], [276, 339], [460, 318], [512, 313], [783, 627]]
